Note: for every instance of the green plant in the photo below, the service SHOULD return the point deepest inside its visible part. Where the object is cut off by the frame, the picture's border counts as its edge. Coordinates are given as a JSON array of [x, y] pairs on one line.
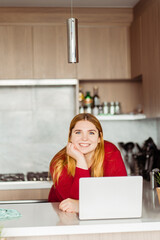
[[0, 231], [157, 178]]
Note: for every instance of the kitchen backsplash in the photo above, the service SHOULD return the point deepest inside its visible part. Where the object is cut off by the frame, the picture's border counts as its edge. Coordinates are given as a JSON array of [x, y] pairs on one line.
[[34, 123]]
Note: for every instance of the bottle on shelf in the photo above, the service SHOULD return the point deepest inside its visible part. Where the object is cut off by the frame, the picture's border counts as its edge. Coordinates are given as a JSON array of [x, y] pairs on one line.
[[88, 102], [96, 98], [81, 100], [96, 101], [81, 96]]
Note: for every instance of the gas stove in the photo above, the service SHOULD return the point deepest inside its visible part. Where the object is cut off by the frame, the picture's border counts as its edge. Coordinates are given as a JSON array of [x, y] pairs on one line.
[[38, 176], [30, 176]]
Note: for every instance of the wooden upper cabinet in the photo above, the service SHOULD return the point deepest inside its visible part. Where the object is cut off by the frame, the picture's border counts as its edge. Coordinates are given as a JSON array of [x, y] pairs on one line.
[[104, 52], [50, 53], [15, 52], [136, 54], [151, 59]]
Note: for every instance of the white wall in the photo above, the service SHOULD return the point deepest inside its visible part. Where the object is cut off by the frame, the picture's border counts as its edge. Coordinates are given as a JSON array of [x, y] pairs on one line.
[[34, 124], [158, 132], [130, 131]]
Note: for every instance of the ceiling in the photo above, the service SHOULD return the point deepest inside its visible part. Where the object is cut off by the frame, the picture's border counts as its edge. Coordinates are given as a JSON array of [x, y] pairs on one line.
[[67, 3]]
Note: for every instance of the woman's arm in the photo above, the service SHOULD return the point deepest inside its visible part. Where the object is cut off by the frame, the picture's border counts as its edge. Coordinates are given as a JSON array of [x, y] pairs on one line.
[[73, 152], [68, 186]]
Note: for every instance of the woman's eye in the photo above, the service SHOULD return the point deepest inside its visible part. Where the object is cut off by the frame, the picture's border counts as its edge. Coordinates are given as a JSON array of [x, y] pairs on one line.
[[77, 132], [91, 133]]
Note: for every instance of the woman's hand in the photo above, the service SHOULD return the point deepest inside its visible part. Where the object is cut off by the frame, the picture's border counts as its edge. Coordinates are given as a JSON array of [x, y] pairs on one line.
[[73, 152], [69, 205]]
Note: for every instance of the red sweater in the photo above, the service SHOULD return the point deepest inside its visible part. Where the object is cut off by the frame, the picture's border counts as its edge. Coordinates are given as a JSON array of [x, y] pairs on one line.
[[68, 186]]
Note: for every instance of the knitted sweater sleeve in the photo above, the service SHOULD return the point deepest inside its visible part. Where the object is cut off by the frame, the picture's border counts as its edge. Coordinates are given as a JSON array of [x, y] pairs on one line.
[[68, 186]]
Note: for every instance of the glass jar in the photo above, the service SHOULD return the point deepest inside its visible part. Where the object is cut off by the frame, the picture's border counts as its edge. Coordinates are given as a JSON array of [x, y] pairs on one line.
[[95, 110], [112, 108], [105, 108], [88, 109], [100, 110], [117, 108]]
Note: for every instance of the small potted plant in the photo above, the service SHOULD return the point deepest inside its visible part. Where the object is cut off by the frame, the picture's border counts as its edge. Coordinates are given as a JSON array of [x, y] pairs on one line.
[[157, 178]]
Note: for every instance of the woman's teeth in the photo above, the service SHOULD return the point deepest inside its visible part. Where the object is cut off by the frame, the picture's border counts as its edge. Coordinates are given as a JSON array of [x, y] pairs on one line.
[[84, 144]]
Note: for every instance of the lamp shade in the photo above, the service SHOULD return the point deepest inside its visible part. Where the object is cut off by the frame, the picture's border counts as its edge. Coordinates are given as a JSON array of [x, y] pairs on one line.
[[72, 34]]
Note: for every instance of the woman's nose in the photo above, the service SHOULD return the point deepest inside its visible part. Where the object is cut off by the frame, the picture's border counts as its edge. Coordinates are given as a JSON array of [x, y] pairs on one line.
[[84, 136]]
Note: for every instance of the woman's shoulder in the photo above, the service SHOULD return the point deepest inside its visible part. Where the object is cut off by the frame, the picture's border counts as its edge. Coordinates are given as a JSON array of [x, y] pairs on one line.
[[109, 147]]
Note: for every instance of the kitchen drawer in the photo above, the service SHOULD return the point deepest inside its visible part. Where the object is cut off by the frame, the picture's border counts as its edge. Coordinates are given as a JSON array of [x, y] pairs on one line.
[[24, 194]]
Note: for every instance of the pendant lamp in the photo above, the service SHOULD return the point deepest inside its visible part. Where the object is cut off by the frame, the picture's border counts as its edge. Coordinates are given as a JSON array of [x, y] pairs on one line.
[[72, 37]]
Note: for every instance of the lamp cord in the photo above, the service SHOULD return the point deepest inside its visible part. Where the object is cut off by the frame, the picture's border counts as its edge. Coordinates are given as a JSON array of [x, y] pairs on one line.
[[71, 9]]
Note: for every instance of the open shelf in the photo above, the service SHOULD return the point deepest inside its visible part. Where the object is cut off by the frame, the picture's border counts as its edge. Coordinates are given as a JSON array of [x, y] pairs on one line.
[[121, 117]]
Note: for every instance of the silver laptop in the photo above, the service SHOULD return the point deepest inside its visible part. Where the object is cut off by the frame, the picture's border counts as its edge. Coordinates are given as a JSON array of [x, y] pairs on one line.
[[110, 197]]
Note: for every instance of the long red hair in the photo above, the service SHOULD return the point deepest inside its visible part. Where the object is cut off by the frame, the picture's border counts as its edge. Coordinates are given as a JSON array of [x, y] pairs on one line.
[[61, 159]]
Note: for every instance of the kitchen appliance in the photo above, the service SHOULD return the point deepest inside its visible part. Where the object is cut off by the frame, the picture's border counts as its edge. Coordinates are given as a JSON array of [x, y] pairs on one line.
[[12, 177], [148, 158], [24, 188], [129, 157], [141, 160], [30, 176]]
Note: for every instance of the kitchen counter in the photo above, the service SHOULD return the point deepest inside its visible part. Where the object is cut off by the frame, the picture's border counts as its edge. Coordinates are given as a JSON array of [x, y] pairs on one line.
[[24, 191], [45, 219], [25, 185]]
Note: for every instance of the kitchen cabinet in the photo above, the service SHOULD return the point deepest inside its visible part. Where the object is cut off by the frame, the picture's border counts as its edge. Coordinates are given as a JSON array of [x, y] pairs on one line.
[[104, 52], [146, 53], [151, 59], [50, 53], [24, 194], [33, 45], [136, 54], [16, 52]]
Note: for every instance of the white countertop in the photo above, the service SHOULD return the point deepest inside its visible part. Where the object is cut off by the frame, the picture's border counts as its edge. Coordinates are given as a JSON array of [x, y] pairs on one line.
[[45, 219], [25, 185]]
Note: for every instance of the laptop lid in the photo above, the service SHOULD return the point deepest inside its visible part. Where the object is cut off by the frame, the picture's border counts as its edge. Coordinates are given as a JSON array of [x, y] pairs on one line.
[[110, 197]]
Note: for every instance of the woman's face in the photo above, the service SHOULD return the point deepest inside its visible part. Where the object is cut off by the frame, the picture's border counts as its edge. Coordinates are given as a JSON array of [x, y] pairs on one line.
[[85, 136]]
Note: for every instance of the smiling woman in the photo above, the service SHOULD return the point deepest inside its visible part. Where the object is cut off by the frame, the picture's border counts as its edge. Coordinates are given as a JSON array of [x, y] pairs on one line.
[[86, 155]]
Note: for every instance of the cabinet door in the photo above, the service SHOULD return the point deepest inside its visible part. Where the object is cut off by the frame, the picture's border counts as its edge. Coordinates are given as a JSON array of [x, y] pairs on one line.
[[151, 60], [104, 53], [15, 52], [50, 53], [136, 69]]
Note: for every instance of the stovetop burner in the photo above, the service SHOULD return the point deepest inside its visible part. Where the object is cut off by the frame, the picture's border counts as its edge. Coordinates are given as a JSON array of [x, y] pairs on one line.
[[12, 177], [38, 176], [31, 176]]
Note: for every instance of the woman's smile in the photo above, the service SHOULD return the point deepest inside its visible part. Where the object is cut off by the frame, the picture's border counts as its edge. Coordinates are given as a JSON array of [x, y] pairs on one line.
[[84, 144]]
